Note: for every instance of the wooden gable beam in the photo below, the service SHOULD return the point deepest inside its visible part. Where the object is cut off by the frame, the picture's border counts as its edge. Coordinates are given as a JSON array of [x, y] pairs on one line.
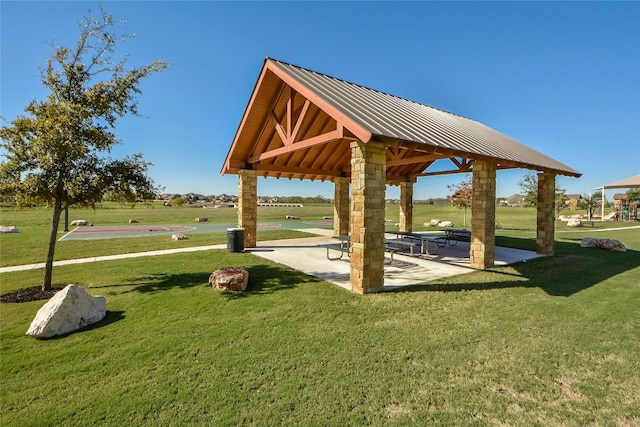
[[296, 129], [412, 160], [307, 143], [297, 170], [355, 128], [289, 132], [278, 127], [463, 164], [449, 172]]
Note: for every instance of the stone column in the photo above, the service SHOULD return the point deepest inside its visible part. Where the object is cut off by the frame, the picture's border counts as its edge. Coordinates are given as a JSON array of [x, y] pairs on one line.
[[406, 206], [341, 207], [248, 205], [545, 236], [368, 180], [482, 251]]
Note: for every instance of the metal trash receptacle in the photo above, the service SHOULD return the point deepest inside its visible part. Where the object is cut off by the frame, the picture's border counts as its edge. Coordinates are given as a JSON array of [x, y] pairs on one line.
[[235, 239]]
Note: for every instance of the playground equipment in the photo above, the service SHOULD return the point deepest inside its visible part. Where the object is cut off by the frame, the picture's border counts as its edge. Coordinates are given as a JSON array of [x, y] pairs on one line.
[[628, 210]]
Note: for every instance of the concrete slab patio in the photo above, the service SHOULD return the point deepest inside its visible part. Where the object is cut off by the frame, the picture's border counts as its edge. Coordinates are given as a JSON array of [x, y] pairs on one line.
[[309, 255]]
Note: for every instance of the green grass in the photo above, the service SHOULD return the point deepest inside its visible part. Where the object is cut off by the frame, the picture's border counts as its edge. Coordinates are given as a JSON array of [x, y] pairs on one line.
[[30, 244], [553, 341]]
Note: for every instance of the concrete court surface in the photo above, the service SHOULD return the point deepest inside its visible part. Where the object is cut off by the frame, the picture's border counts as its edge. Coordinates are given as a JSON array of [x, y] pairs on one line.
[[309, 255]]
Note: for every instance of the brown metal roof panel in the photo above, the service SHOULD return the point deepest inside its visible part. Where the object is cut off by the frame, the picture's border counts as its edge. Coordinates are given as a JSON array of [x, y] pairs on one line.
[[389, 116]]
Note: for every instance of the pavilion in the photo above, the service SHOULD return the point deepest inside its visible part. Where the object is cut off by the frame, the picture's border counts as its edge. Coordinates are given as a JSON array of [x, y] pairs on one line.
[[630, 182], [300, 124]]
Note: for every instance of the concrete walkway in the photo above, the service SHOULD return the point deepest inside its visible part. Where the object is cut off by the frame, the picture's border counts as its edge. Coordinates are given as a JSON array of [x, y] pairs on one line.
[[111, 257], [309, 255]]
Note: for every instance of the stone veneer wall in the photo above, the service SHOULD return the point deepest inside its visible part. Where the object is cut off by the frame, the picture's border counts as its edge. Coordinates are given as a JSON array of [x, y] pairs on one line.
[[406, 206], [341, 207], [248, 205], [545, 237], [482, 250], [368, 179]]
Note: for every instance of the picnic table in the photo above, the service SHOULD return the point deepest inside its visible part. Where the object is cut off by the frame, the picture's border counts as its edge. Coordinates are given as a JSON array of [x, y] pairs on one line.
[[410, 241], [344, 247], [453, 235]]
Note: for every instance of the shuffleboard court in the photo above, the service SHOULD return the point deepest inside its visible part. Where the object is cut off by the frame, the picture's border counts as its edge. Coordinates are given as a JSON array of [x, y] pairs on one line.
[[139, 230], [119, 229]]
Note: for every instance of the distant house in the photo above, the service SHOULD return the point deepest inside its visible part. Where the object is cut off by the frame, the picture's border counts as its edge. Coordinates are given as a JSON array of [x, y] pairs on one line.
[[572, 201], [517, 200]]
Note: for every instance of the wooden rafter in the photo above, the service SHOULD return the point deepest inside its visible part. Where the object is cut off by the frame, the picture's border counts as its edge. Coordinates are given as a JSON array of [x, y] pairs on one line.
[[307, 143], [289, 131], [462, 164], [449, 172], [412, 160], [303, 113], [296, 170]]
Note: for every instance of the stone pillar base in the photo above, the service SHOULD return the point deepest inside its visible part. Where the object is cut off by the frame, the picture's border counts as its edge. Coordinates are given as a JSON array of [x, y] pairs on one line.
[[482, 248], [545, 237], [368, 180], [248, 205]]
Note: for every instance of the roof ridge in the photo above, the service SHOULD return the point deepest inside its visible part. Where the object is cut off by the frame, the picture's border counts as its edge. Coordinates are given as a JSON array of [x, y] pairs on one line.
[[368, 88]]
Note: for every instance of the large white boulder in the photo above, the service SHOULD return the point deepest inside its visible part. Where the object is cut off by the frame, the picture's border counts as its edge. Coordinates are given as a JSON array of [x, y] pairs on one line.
[[574, 222], [8, 229], [609, 244], [68, 310]]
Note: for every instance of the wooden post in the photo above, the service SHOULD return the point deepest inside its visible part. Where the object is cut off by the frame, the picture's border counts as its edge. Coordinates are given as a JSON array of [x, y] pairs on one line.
[[341, 207], [406, 206]]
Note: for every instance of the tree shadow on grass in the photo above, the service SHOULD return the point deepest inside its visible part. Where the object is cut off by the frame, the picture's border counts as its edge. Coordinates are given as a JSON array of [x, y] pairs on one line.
[[267, 279], [109, 318], [157, 282], [263, 279], [571, 270]]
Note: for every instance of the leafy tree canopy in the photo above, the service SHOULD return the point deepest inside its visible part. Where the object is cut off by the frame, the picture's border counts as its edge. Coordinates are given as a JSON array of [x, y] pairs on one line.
[[57, 152], [462, 193]]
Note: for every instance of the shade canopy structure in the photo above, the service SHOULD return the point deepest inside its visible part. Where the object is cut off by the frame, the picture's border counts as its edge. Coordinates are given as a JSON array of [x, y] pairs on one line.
[[631, 182], [299, 124]]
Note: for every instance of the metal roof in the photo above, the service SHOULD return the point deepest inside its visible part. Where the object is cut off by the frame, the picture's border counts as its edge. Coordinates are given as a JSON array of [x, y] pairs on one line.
[[416, 134], [631, 182]]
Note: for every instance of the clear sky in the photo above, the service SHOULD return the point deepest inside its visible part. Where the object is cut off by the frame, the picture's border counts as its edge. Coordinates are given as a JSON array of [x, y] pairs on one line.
[[560, 77]]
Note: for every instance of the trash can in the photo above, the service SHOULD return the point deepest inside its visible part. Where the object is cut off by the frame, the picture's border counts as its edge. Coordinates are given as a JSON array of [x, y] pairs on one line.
[[235, 239]]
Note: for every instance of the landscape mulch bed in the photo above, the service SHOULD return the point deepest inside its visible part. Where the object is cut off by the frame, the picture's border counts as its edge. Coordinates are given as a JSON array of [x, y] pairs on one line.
[[30, 294]]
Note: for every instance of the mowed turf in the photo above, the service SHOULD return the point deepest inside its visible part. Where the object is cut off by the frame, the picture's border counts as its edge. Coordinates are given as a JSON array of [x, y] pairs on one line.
[[553, 341]]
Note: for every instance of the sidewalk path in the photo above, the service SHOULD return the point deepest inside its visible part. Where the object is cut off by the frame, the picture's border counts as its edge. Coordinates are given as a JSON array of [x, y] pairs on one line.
[[9, 269], [111, 257]]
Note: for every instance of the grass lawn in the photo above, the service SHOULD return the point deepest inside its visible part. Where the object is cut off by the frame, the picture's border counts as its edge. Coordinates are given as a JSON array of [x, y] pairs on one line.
[[553, 341]]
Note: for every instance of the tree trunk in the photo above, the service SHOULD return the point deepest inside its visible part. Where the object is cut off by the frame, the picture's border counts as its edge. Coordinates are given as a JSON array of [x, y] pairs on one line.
[[48, 268]]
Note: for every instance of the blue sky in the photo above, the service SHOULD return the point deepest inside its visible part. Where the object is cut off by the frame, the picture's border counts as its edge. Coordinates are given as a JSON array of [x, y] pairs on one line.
[[560, 77]]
